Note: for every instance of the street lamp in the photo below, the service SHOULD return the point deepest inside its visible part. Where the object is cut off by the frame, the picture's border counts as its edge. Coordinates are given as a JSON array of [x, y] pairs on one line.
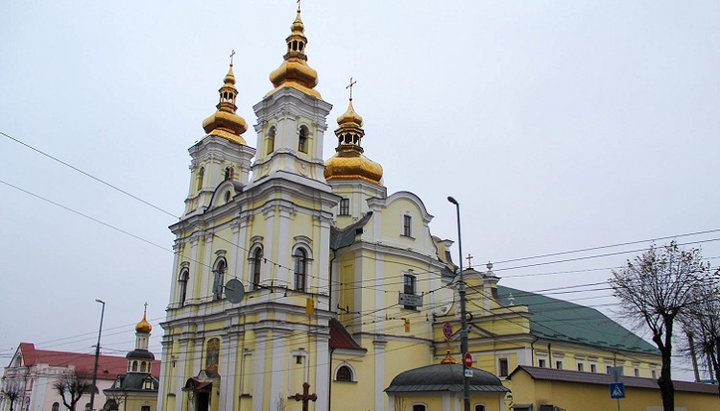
[[463, 321], [97, 355]]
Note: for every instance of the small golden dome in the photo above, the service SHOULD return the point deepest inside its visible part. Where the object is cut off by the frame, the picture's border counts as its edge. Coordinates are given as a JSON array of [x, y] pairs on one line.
[[143, 326], [225, 122], [349, 163], [294, 71]]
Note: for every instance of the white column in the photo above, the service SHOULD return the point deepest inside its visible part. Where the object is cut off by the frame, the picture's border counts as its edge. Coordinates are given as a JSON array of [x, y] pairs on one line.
[[180, 376], [228, 372], [379, 379], [259, 394], [206, 276], [322, 371], [278, 366], [173, 283], [163, 380]]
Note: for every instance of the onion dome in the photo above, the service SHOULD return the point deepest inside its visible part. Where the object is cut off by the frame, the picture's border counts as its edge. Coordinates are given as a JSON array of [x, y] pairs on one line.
[[294, 71], [143, 326], [225, 122], [349, 163], [444, 377]]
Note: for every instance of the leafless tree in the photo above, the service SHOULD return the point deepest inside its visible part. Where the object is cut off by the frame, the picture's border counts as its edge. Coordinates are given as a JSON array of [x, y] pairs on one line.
[[655, 288], [71, 386], [702, 322], [12, 393]]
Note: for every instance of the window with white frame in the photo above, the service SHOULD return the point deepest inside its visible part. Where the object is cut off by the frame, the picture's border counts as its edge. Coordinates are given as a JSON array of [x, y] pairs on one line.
[[344, 373], [256, 258], [407, 225], [183, 279], [503, 367], [344, 206], [219, 270], [303, 136], [419, 407], [409, 287], [300, 258]]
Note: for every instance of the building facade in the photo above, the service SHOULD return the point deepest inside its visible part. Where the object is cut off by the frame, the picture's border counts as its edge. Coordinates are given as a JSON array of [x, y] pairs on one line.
[[300, 283]]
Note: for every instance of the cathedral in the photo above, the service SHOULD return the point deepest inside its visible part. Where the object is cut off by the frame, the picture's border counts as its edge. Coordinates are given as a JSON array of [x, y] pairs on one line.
[[299, 283], [336, 281]]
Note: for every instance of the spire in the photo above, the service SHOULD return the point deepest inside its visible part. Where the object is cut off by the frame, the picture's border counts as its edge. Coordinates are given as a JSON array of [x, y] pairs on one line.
[[225, 122], [349, 162], [294, 72]]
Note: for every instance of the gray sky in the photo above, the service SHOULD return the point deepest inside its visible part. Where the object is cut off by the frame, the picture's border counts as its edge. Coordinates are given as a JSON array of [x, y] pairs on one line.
[[558, 125]]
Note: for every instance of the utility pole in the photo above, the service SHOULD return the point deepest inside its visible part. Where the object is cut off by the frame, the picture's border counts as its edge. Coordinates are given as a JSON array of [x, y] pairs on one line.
[[97, 355], [463, 320]]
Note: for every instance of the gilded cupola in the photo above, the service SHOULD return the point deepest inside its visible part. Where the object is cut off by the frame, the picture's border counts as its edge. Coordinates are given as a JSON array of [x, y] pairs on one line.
[[349, 163], [294, 71], [225, 122], [143, 326]]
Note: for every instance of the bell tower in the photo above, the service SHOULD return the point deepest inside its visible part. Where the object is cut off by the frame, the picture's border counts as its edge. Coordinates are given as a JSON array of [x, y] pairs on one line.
[[223, 154], [292, 116]]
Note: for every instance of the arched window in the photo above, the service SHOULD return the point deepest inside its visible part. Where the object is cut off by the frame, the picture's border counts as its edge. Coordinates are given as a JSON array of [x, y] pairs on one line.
[[134, 366], [303, 139], [56, 406], [270, 141], [255, 267], [419, 407], [200, 176], [142, 366], [300, 258], [344, 373], [219, 276], [229, 171], [183, 283], [479, 407]]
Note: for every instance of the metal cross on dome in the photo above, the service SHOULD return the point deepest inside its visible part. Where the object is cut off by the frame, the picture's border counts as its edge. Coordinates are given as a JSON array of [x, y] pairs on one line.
[[305, 397], [232, 54], [469, 260], [350, 86]]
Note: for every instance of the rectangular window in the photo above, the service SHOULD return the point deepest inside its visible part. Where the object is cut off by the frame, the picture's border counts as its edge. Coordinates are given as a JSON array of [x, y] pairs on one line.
[[593, 368], [581, 366], [345, 206], [503, 367], [407, 225], [542, 363], [636, 371], [419, 407], [559, 365], [653, 373], [409, 287]]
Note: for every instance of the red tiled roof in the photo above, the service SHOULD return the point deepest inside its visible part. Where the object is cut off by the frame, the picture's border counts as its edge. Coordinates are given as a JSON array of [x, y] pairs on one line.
[[341, 338], [109, 366]]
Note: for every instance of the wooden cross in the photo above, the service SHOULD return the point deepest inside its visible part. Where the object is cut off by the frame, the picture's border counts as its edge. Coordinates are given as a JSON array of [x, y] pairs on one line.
[[305, 397], [469, 259], [232, 54], [350, 86]]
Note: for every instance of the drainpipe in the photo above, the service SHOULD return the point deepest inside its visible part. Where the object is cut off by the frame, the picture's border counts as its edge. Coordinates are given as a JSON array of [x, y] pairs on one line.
[[330, 378], [550, 361]]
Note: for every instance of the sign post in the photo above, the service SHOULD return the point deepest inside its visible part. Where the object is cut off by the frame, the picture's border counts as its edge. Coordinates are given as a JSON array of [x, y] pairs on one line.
[[468, 360], [617, 389]]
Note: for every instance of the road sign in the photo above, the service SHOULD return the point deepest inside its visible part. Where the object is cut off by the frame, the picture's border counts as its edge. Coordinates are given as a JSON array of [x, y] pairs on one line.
[[617, 390], [469, 373], [468, 360]]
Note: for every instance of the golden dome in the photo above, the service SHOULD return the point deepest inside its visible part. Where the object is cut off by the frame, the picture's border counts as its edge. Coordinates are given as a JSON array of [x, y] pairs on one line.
[[349, 163], [294, 71], [225, 122], [143, 326]]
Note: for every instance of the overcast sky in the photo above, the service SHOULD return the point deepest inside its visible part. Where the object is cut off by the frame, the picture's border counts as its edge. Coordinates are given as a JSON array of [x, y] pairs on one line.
[[558, 125]]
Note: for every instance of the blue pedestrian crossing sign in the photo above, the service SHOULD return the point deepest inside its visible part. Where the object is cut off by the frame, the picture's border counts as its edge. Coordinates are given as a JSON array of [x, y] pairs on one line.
[[617, 390]]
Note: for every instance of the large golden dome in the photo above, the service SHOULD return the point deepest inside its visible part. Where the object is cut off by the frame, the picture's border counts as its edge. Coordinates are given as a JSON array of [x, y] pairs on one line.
[[349, 163], [294, 71], [225, 122]]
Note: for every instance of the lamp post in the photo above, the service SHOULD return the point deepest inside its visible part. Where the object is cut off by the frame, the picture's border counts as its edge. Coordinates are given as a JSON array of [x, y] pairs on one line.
[[463, 321], [97, 355]]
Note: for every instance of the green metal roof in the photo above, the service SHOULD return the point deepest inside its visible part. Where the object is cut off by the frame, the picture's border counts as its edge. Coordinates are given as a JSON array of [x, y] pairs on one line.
[[560, 320]]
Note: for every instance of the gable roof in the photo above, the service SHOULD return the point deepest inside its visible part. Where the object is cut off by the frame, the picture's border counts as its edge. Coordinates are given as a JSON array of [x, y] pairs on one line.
[[552, 374], [109, 366], [341, 338], [560, 320]]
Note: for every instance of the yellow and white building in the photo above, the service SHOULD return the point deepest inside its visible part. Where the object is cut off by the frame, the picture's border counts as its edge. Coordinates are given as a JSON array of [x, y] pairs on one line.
[[346, 298]]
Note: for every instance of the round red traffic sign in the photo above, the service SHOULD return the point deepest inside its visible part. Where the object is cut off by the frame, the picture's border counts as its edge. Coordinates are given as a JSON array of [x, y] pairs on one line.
[[468, 360]]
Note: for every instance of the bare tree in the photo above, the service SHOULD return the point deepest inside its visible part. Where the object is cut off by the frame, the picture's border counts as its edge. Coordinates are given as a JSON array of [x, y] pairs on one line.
[[654, 289], [11, 392], [71, 386], [702, 322]]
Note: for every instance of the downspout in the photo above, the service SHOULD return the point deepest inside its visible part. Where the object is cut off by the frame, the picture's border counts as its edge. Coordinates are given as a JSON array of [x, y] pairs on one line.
[[550, 361], [330, 378]]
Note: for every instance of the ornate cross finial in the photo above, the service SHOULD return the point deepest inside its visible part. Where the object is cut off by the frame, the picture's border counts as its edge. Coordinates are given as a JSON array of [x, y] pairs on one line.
[[298, 2], [146, 304], [350, 86], [469, 260], [232, 54], [305, 397]]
